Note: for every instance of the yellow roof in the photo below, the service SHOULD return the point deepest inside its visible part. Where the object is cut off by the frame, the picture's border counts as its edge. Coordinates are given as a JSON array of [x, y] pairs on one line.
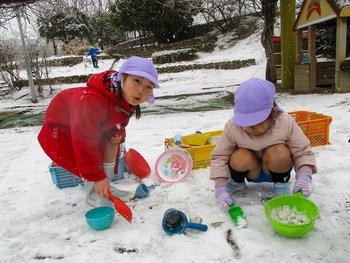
[[316, 11]]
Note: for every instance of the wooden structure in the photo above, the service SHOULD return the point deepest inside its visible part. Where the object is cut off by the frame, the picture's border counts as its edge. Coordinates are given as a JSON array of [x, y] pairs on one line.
[[310, 74]]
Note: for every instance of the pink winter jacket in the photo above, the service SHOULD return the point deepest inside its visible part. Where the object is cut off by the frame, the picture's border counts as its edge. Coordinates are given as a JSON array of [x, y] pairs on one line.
[[285, 130]]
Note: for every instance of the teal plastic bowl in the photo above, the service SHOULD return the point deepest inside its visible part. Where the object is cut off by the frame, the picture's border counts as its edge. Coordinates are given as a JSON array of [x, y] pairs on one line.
[[100, 217]]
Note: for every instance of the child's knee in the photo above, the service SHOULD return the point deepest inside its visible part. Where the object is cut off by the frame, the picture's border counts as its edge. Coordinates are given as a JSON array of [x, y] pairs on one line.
[[277, 154], [241, 159]]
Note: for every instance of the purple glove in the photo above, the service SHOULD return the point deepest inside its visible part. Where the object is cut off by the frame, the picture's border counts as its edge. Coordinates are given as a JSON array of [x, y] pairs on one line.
[[303, 183], [224, 198]]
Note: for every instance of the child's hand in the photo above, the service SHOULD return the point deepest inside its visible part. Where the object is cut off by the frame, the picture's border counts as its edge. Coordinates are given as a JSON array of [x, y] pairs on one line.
[[224, 198], [116, 139], [102, 187], [303, 183]]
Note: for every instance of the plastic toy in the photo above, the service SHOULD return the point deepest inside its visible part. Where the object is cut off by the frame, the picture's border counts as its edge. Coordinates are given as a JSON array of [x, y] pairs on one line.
[[197, 139], [200, 154], [136, 163], [120, 167], [62, 178], [100, 217], [294, 201], [142, 190], [121, 207], [175, 222], [173, 165], [177, 139], [238, 217]]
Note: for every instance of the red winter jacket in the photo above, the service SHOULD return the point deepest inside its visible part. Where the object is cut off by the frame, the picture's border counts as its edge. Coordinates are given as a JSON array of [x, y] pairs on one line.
[[76, 126]]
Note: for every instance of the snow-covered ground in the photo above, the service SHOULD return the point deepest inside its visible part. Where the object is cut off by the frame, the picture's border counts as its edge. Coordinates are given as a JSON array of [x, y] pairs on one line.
[[41, 223]]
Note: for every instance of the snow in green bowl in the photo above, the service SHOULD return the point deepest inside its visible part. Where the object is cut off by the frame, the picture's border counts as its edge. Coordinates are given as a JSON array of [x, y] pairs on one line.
[[296, 202]]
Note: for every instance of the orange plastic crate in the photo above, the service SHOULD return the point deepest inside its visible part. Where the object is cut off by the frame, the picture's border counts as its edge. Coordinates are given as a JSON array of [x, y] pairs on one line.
[[314, 125]]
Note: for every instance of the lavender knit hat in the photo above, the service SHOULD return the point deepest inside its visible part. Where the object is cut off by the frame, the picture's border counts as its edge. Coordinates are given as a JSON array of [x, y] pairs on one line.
[[254, 100]]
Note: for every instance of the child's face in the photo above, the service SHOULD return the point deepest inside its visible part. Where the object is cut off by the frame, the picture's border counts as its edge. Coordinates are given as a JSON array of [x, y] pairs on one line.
[[136, 90], [258, 129], [262, 127]]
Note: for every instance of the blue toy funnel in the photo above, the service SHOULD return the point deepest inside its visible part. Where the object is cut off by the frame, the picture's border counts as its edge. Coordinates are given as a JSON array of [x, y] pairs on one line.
[[142, 190]]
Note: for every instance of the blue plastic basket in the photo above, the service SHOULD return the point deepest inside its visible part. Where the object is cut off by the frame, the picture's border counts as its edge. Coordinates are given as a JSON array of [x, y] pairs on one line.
[[62, 178]]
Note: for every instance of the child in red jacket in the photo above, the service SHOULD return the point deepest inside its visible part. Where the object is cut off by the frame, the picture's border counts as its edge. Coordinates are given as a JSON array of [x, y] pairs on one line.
[[84, 126]]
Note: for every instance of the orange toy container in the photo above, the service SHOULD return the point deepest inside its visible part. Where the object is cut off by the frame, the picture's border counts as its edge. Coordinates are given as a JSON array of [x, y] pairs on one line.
[[314, 125]]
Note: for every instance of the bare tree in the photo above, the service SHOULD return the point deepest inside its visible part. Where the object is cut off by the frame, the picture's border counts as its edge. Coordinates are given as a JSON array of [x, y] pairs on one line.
[[9, 67], [8, 9], [87, 7], [224, 13], [15, 8], [38, 55], [267, 10]]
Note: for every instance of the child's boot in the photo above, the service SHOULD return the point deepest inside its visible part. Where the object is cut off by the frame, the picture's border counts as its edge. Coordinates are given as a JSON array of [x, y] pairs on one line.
[[281, 184], [233, 186], [237, 181], [281, 189], [95, 200], [92, 198]]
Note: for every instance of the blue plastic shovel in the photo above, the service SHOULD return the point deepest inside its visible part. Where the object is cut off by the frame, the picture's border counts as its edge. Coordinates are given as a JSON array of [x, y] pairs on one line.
[[175, 222]]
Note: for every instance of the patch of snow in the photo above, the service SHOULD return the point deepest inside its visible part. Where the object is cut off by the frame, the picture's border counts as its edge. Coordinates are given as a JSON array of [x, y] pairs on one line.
[[289, 215]]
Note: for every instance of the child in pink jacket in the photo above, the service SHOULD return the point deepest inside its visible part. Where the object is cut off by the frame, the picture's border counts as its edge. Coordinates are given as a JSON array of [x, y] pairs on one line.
[[260, 143]]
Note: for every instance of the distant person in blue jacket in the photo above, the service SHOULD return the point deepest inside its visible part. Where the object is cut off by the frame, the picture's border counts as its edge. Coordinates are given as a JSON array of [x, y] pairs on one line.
[[93, 54], [99, 44]]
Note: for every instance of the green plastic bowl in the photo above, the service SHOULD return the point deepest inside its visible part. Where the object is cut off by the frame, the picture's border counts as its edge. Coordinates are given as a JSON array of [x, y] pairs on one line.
[[294, 201], [100, 217]]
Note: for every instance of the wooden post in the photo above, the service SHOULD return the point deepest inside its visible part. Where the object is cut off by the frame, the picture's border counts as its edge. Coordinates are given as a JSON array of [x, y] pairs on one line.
[[299, 44], [287, 9], [312, 56], [340, 53], [301, 68]]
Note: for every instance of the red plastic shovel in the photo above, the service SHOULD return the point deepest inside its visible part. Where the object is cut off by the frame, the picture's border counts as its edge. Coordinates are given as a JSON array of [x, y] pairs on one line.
[[121, 207]]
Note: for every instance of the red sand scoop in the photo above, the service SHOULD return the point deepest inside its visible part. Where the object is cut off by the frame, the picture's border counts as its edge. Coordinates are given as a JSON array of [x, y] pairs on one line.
[[121, 207]]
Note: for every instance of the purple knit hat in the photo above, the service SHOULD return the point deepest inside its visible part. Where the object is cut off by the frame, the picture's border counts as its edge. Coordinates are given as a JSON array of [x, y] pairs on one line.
[[141, 67], [254, 100]]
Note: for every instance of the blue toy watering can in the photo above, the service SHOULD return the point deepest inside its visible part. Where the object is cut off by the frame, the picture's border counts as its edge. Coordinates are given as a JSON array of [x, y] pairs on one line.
[[175, 222]]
